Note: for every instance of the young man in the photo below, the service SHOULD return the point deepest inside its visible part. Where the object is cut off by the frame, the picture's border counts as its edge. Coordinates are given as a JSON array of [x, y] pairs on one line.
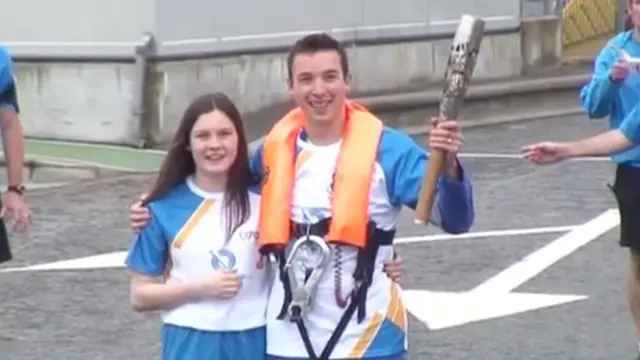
[[13, 144], [614, 91], [329, 162]]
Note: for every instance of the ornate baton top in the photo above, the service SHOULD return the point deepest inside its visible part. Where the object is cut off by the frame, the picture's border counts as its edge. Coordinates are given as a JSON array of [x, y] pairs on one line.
[[462, 60]]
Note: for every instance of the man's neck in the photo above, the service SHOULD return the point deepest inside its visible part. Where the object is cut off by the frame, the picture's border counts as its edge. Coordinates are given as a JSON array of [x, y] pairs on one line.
[[325, 134]]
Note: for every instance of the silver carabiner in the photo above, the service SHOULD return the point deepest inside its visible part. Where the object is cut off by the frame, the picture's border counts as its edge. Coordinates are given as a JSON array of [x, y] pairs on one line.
[[302, 296]]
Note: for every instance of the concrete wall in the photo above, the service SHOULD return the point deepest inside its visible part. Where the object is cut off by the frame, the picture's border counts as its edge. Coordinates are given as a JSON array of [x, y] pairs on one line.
[[77, 101], [75, 20], [93, 102], [541, 43], [94, 99], [258, 82], [36, 28]]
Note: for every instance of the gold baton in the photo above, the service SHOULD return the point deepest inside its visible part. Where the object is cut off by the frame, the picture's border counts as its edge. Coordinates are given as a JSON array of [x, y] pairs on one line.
[[460, 65]]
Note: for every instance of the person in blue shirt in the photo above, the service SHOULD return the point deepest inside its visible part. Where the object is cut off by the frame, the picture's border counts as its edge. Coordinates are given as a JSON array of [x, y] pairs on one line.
[[13, 203], [613, 91], [13, 145]]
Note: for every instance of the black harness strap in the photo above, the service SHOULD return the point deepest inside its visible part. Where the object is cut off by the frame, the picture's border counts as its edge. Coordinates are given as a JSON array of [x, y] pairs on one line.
[[362, 275], [364, 272], [284, 277], [358, 298]]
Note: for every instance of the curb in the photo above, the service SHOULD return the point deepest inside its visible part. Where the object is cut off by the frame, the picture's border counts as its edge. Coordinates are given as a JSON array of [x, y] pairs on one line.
[[486, 104], [487, 91], [501, 120]]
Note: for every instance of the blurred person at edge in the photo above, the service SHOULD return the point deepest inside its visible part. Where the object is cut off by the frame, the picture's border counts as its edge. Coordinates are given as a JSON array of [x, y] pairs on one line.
[[13, 203], [329, 134], [614, 92]]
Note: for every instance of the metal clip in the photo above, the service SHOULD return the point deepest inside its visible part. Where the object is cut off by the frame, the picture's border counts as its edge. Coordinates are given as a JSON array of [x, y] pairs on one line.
[[302, 296]]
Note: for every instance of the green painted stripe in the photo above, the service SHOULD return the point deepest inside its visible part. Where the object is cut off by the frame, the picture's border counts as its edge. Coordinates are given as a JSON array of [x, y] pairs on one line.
[[114, 156]]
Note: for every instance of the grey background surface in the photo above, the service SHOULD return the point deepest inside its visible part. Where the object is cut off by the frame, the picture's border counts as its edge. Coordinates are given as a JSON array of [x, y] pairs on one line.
[[79, 315], [114, 27]]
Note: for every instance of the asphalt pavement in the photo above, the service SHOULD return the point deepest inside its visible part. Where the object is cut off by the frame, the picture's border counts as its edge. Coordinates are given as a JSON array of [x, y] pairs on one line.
[[85, 314]]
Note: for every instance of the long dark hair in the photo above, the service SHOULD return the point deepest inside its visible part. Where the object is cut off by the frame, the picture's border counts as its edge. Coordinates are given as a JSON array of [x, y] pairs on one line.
[[178, 164]]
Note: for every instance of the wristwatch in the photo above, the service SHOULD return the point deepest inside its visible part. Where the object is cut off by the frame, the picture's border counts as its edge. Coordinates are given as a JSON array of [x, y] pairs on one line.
[[18, 189]]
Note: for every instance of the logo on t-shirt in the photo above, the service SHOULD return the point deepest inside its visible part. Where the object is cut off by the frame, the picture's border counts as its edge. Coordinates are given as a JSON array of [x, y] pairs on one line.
[[223, 259], [250, 236]]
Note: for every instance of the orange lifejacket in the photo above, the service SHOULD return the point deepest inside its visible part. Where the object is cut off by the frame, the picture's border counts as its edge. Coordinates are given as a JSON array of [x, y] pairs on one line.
[[352, 182]]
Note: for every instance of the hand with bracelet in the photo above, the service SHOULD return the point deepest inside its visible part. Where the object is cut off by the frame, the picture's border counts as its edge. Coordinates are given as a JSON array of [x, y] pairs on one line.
[[13, 204]]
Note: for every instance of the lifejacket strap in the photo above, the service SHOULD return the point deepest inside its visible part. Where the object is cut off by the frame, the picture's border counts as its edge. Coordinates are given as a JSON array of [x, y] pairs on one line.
[[271, 249], [284, 278], [363, 274]]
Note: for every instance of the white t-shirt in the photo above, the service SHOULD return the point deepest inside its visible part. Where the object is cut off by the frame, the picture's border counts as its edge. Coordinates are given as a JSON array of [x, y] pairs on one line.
[[399, 171], [188, 228]]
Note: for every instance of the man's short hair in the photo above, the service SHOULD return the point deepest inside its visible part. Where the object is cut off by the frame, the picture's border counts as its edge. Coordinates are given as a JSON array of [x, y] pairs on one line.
[[314, 43]]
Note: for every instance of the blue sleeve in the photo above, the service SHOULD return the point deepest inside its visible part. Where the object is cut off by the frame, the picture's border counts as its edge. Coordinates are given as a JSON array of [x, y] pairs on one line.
[[8, 93], [598, 95], [405, 164], [455, 203], [256, 165], [149, 252], [630, 126]]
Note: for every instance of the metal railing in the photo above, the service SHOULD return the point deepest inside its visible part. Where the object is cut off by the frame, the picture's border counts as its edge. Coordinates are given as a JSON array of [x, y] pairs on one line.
[[556, 7], [588, 24]]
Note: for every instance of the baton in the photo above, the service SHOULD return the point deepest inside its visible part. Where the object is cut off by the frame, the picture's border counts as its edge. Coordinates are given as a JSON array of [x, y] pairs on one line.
[[460, 65]]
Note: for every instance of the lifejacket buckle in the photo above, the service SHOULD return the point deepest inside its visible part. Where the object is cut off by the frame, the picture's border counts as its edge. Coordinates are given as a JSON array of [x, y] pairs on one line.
[[302, 295]]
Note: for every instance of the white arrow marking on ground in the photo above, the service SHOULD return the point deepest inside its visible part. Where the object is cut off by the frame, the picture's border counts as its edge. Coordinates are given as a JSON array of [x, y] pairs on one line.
[[116, 259], [483, 234], [109, 260], [494, 298]]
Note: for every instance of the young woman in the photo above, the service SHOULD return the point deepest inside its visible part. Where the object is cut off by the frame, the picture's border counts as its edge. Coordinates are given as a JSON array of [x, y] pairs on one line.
[[197, 260]]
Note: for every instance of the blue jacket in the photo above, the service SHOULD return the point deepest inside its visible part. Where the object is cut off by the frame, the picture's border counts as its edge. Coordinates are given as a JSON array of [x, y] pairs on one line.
[[601, 97]]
